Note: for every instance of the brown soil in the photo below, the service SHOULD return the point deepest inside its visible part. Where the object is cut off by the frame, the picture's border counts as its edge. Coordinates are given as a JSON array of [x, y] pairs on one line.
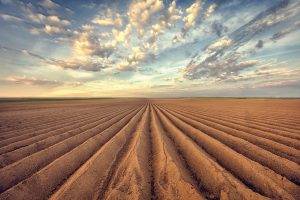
[[150, 149]]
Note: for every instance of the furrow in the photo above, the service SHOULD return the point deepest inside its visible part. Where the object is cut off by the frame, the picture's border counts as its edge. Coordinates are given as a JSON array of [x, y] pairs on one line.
[[26, 142], [280, 165], [270, 145], [172, 179], [245, 115], [267, 122], [19, 171], [248, 108], [277, 138], [252, 173], [88, 181], [44, 127], [47, 119], [38, 122], [261, 126], [219, 182], [42, 134], [130, 179], [13, 156]]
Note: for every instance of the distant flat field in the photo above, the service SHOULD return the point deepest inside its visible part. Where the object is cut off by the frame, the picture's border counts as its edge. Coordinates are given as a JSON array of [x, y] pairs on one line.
[[126, 148]]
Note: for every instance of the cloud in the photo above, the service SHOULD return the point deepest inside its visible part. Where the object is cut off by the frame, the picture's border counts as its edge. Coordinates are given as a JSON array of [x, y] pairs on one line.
[[115, 20], [85, 64], [211, 8], [48, 4], [122, 36], [168, 19], [135, 47], [218, 68], [125, 65], [23, 51], [10, 18], [78, 64], [33, 81], [51, 20], [89, 5], [191, 18], [220, 44], [215, 64], [266, 76], [280, 12], [26, 52], [6, 1], [160, 86], [218, 28], [130, 63], [280, 83], [35, 31], [259, 44], [56, 21], [137, 55], [192, 14], [221, 59], [86, 43], [90, 43], [173, 13], [51, 30], [281, 34], [140, 12], [136, 37], [41, 23]]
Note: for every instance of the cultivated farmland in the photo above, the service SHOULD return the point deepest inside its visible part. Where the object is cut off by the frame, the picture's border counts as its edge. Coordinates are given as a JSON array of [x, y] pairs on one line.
[[150, 149]]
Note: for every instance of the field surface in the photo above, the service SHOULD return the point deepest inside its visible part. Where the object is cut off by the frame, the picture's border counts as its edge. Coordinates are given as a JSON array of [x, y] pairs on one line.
[[150, 149]]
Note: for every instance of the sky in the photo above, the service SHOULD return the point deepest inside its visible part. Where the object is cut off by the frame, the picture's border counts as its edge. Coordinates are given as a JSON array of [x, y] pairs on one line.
[[150, 48]]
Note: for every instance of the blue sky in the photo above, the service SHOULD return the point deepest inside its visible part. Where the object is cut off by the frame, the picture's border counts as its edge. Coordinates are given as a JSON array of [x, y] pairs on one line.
[[150, 48]]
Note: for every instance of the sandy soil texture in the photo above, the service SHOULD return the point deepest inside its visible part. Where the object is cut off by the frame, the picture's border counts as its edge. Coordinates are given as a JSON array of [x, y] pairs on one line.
[[189, 148]]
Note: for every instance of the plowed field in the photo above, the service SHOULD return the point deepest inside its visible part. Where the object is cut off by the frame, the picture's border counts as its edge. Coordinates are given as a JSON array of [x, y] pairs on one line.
[[150, 149]]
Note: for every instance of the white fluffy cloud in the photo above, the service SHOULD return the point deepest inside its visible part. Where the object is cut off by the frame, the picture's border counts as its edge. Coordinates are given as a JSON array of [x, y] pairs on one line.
[[78, 64], [44, 23], [48, 4], [168, 19], [211, 8], [130, 62], [56, 21], [10, 18], [173, 13], [192, 14], [109, 19], [140, 12], [51, 20], [52, 29], [122, 36], [87, 44], [220, 44]]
